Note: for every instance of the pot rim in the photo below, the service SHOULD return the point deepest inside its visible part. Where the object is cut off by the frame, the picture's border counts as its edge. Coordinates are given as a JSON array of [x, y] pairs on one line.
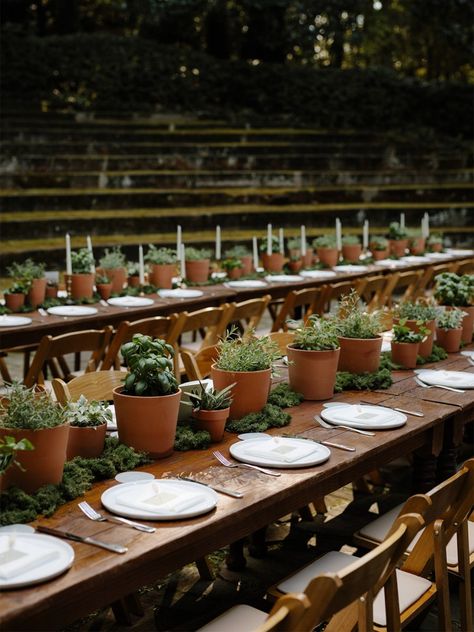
[[406, 343], [117, 391], [10, 429], [240, 372], [214, 410], [378, 337], [313, 350]]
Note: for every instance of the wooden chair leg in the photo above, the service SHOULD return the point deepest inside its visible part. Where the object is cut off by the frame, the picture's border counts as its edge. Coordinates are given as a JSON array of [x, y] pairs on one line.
[[204, 569], [5, 373], [441, 577], [465, 588], [258, 545], [125, 607]]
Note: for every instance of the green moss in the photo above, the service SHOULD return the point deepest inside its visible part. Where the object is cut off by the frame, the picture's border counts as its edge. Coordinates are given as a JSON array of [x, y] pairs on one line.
[[363, 381], [437, 354], [284, 397], [270, 416], [188, 439]]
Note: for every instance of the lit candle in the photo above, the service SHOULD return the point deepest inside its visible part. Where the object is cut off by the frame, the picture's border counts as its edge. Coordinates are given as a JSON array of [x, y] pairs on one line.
[[141, 266], [281, 241], [255, 253], [91, 252], [402, 220], [182, 258], [365, 235], [68, 254], [303, 241], [338, 234], [218, 243], [269, 239], [178, 240]]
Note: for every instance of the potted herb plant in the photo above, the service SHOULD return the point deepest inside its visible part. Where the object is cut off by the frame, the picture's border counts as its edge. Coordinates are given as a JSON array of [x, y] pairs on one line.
[[211, 410], [25, 414], [233, 267], [406, 343], [88, 425], [435, 242], [51, 289], [359, 337], [82, 279], [133, 274], [449, 329], [415, 314], [146, 407], [197, 264], [416, 242], [295, 264], [243, 253], [9, 446], [398, 238], [247, 362], [114, 266], [326, 249], [162, 263], [15, 296], [272, 262], [33, 274], [294, 248], [379, 247], [104, 286], [351, 248], [313, 357], [453, 290]]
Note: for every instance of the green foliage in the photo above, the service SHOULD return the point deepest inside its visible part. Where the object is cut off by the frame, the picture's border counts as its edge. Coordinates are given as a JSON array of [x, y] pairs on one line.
[[237, 251], [81, 261], [319, 334], [9, 446], [396, 232], [284, 397], [246, 354], [189, 439], [350, 240], [160, 256], [197, 254], [133, 268], [101, 279], [420, 310], [19, 287], [232, 263], [150, 367], [363, 381], [270, 416], [454, 290], [325, 241], [275, 245], [437, 354], [211, 399], [353, 323], [86, 414], [402, 333], [28, 410], [450, 319], [378, 242], [27, 270], [435, 238], [294, 243], [113, 259]]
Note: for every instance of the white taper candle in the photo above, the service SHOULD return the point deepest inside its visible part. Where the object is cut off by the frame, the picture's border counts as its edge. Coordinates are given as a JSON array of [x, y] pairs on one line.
[[91, 252], [269, 239], [182, 259], [365, 235], [338, 234], [402, 220], [178, 240], [218, 243], [68, 254], [141, 266], [303, 240], [255, 252], [281, 241]]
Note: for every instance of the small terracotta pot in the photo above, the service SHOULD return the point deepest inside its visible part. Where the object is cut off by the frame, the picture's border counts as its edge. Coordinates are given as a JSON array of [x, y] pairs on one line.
[[273, 262], [162, 275], [197, 271], [247, 265], [294, 253], [398, 247], [417, 246], [467, 324], [250, 392], [295, 266], [105, 290], [14, 302], [426, 346], [117, 276], [134, 281], [235, 273], [51, 291], [449, 339], [436, 247], [308, 258], [82, 286], [328, 256], [352, 252], [147, 424], [379, 254], [359, 355], [405, 354], [37, 292], [213, 421], [86, 442], [313, 373], [44, 465]]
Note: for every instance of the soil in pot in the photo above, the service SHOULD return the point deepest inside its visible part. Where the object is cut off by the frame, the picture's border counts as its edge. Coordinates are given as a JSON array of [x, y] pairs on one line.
[[352, 253], [426, 346], [162, 275], [313, 373], [398, 247], [328, 256], [14, 302], [359, 355], [197, 271], [449, 339], [82, 285], [37, 292], [87, 442], [405, 354], [250, 392], [273, 262], [213, 421]]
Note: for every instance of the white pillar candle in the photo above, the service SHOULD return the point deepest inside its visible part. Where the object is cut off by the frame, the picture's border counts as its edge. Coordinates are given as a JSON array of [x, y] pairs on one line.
[[178, 240], [338, 234], [68, 254], [281, 241], [91, 252], [255, 252], [269, 239], [303, 240], [141, 266], [182, 258], [365, 235], [218, 243], [402, 220]]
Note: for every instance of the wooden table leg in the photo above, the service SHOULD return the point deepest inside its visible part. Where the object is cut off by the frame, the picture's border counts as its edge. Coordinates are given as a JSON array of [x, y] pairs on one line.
[[235, 561]]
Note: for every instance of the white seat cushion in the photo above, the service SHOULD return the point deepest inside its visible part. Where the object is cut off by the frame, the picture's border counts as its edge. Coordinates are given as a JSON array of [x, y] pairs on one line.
[[410, 589], [237, 619], [452, 548], [331, 562]]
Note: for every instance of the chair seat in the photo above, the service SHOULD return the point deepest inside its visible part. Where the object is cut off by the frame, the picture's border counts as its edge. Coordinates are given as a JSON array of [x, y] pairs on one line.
[[331, 562], [410, 589], [237, 619]]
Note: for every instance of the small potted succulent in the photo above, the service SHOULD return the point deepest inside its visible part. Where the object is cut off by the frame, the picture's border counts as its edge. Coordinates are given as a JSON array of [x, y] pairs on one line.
[[294, 248], [351, 248], [51, 289], [398, 238], [15, 295], [233, 267], [211, 409], [416, 242], [197, 264], [114, 266], [449, 329], [9, 446], [379, 247], [133, 274], [162, 263], [33, 273], [104, 286], [243, 253], [435, 242], [326, 249], [272, 262], [82, 278], [88, 425], [247, 363], [313, 357], [146, 407], [406, 343], [453, 290], [420, 313]]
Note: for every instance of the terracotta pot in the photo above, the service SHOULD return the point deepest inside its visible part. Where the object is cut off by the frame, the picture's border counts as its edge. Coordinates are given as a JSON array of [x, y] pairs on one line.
[[328, 256], [51, 291], [197, 271], [405, 354], [449, 339], [86, 442], [294, 253], [37, 292], [308, 258], [359, 355], [467, 324], [162, 275], [235, 273], [105, 290], [250, 392], [426, 347], [247, 265], [295, 266], [417, 246], [352, 252], [213, 421], [82, 286], [273, 262], [117, 276], [398, 247], [147, 424], [436, 247], [14, 302], [379, 254], [313, 373], [44, 465], [134, 281]]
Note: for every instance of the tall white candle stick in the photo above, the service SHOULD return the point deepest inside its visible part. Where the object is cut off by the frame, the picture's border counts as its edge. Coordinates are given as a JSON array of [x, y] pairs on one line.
[[68, 254], [281, 241], [91, 252], [402, 220], [182, 259], [303, 241], [218, 243], [141, 266], [427, 225], [255, 252], [365, 235], [338, 234], [269, 239], [178, 240]]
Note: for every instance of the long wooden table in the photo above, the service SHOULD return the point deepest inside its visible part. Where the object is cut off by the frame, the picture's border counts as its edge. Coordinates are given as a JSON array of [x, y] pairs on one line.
[[98, 578]]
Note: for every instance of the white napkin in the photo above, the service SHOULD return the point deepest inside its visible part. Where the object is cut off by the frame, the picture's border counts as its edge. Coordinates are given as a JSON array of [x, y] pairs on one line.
[[18, 556], [154, 497], [360, 413], [281, 450]]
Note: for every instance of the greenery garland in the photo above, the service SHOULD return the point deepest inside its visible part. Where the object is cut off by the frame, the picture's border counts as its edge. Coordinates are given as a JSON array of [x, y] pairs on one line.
[[270, 416], [366, 381], [188, 439], [284, 397]]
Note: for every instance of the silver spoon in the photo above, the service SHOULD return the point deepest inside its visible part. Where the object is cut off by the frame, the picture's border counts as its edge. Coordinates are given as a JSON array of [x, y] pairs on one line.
[[446, 388], [325, 424]]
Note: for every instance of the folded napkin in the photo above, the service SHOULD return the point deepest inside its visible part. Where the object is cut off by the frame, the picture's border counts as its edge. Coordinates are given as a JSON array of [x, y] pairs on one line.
[[18, 556], [155, 497], [281, 450], [360, 414]]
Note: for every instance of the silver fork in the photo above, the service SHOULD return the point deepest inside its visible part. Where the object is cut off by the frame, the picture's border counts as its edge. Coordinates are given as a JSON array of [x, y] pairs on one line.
[[92, 514], [325, 424], [220, 457], [446, 388]]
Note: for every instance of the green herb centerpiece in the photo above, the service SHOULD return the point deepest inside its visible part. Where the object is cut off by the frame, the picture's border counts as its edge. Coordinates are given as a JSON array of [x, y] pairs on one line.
[[197, 264], [241, 252], [351, 248], [31, 275], [9, 446], [114, 266], [233, 267], [398, 237], [15, 295], [435, 242], [455, 290], [416, 314], [211, 409], [88, 425], [326, 249], [406, 343], [449, 329], [104, 286], [82, 278], [416, 241], [378, 247], [163, 262]]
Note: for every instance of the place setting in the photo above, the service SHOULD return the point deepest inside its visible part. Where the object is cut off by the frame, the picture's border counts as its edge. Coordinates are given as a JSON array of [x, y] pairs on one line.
[[362, 417], [455, 381], [130, 301], [280, 452]]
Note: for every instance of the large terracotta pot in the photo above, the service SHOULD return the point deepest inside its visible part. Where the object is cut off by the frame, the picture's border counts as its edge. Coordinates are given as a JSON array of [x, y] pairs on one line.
[[438, 247], [197, 271], [359, 355], [82, 286], [147, 424], [250, 392], [273, 262], [398, 247], [467, 324], [213, 421], [14, 302], [234, 274], [117, 276], [295, 266], [426, 346], [449, 339], [308, 258], [328, 256], [37, 292], [313, 373], [379, 254], [247, 265], [86, 442], [51, 291], [104, 290], [417, 246], [162, 275], [405, 354], [44, 465], [352, 252]]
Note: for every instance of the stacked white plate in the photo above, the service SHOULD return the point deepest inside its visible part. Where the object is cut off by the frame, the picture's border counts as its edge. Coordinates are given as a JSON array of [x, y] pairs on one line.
[[456, 379], [281, 452], [317, 274], [414, 259], [180, 293], [249, 283], [365, 417], [130, 301], [14, 321], [438, 255], [391, 263], [72, 310], [283, 278], [350, 268]]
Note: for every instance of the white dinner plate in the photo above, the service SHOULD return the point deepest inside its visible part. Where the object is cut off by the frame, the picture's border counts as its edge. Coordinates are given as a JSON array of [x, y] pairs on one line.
[[52, 556], [391, 263], [130, 301], [414, 259], [468, 354], [168, 499], [283, 278], [456, 379], [350, 268], [438, 255], [72, 310], [317, 274], [180, 293], [246, 283], [459, 251], [14, 321], [131, 477], [271, 453], [364, 417]]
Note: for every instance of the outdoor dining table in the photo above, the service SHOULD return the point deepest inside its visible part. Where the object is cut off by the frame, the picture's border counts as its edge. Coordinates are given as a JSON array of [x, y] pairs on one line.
[[98, 578]]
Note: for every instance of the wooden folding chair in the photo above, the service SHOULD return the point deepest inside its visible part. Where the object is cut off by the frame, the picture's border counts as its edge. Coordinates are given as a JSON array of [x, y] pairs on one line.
[[334, 291], [372, 291], [197, 366], [282, 338], [307, 300], [401, 285], [248, 314], [427, 279], [96, 386], [52, 352], [466, 266]]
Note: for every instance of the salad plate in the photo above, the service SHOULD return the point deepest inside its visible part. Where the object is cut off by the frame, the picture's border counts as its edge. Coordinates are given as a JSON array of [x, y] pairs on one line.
[[363, 417], [281, 452], [130, 301], [72, 310]]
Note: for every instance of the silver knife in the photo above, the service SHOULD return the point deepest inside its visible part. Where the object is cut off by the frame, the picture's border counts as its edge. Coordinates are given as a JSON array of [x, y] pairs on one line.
[[67, 535], [400, 410], [216, 488]]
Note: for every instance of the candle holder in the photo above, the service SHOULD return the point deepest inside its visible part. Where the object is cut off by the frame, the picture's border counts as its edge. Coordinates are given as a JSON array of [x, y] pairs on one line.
[[68, 283]]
